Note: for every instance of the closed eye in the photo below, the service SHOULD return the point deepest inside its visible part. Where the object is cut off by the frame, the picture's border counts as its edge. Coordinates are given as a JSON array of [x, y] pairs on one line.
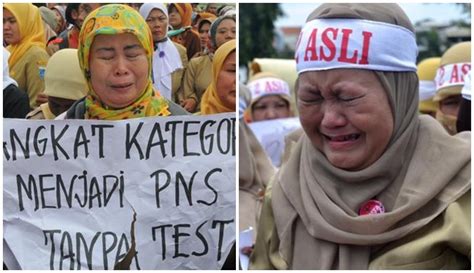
[[105, 53], [133, 51], [259, 107], [347, 99], [281, 105], [106, 57], [310, 96]]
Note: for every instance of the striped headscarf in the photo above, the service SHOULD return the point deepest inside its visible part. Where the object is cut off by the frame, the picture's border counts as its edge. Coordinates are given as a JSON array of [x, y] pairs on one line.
[[114, 19]]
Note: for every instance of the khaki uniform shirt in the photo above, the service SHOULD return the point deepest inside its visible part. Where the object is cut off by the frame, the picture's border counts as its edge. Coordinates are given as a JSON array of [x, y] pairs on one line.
[[444, 243], [26, 72], [197, 78], [177, 75]]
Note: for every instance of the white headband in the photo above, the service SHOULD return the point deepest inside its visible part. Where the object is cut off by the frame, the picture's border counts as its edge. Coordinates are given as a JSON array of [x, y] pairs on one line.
[[466, 90], [268, 86], [326, 44], [451, 75], [427, 90]]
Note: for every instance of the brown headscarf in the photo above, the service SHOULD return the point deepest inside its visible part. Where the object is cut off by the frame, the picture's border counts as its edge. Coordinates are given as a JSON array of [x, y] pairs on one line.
[[422, 171], [255, 170]]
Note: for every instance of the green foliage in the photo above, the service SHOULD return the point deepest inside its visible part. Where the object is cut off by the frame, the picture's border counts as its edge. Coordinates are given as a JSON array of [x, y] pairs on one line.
[[466, 7], [431, 41], [257, 31]]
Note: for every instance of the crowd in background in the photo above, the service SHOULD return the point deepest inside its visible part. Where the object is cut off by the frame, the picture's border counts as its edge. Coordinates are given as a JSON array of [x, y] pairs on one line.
[[41, 43], [58, 65], [118, 61], [444, 95], [312, 204]]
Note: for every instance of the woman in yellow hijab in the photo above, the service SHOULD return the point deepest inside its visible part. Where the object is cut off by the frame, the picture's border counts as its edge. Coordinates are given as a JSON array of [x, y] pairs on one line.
[[23, 32], [426, 71], [219, 97], [197, 76], [115, 54], [454, 66]]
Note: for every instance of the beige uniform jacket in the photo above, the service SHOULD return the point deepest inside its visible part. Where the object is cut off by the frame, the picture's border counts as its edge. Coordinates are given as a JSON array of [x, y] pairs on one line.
[[26, 72], [197, 78], [177, 75], [445, 243]]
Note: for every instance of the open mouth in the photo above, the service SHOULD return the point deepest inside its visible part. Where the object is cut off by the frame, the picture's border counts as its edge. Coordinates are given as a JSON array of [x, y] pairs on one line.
[[121, 86], [343, 138], [342, 142]]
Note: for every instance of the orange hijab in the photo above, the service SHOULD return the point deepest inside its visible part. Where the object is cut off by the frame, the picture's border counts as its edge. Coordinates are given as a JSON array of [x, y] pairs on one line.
[[207, 15], [185, 10]]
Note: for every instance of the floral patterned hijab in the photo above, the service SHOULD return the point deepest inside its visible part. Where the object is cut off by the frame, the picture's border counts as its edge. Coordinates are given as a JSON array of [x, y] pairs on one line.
[[114, 19]]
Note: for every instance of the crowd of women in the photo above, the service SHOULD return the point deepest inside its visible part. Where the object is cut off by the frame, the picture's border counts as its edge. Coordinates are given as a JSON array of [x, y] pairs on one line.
[[118, 61], [379, 175], [155, 60], [369, 182]]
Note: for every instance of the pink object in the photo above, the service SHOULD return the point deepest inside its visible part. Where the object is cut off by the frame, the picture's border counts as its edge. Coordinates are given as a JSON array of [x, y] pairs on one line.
[[371, 207]]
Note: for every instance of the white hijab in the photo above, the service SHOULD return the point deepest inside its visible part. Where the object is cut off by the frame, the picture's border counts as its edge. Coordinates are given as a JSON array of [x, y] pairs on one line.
[[169, 61], [7, 80]]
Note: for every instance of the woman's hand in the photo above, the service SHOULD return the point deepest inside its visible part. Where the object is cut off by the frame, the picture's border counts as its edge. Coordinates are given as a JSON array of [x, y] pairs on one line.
[[189, 105], [247, 250], [41, 98]]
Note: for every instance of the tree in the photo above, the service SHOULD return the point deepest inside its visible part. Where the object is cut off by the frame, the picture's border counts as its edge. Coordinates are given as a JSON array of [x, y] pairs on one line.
[[257, 31], [466, 7], [429, 41]]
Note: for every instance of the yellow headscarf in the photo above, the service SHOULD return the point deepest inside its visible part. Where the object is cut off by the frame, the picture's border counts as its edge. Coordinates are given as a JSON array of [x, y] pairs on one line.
[[114, 19], [210, 102], [458, 53], [426, 71], [31, 30]]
